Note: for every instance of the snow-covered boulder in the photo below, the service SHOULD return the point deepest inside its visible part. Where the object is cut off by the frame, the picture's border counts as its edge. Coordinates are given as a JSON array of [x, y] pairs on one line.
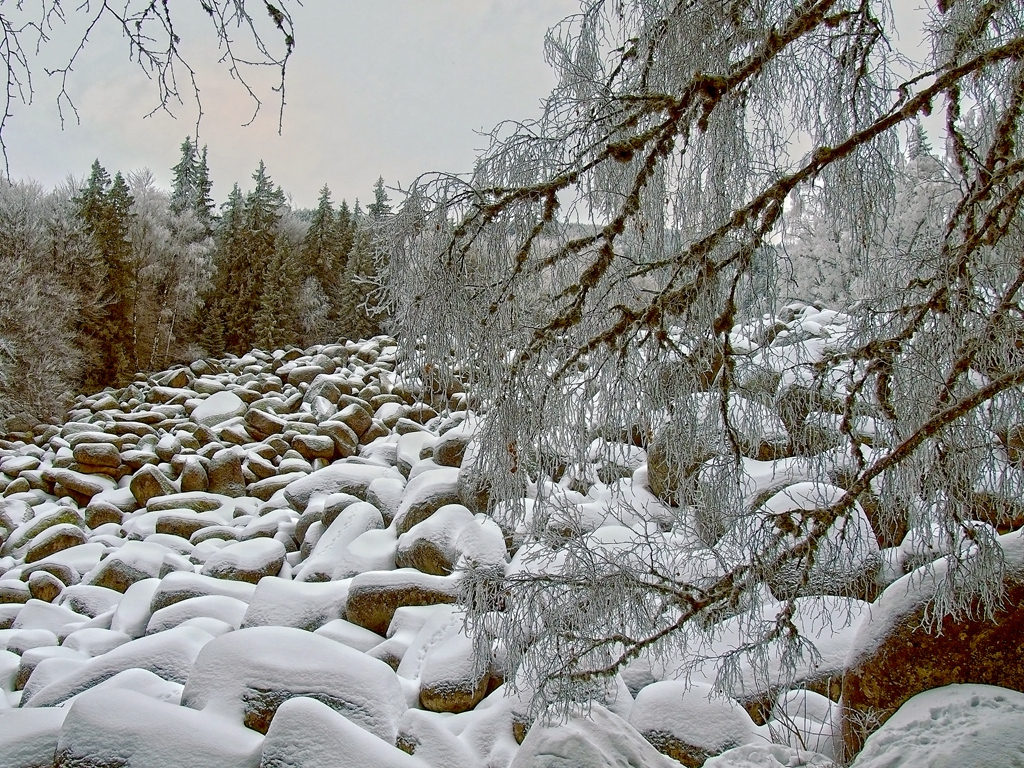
[[443, 660], [184, 584], [303, 605], [332, 548], [132, 562], [424, 735], [950, 727], [769, 756], [227, 609], [847, 556], [340, 477], [306, 733], [429, 546], [894, 656], [217, 408], [690, 722], [28, 737], [597, 740], [425, 494], [247, 561], [373, 597], [169, 655], [246, 675], [122, 727]]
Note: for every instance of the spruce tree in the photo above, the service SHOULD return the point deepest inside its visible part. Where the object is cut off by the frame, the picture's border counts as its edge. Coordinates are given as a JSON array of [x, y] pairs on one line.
[[203, 205], [228, 260], [380, 208], [184, 182], [104, 207]]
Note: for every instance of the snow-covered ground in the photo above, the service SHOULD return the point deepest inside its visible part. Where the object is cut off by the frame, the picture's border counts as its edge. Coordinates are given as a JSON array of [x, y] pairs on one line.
[[256, 562]]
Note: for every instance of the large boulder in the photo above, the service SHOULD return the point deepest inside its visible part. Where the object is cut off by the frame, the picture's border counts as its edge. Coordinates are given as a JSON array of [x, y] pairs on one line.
[[168, 655], [373, 597], [218, 408], [598, 739], [443, 658], [28, 737], [340, 477], [304, 605], [689, 722], [149, 482], [249, 560], [430, 546], [118, 727], [425, 494], [306, 733], [899, 652], [246, 675], [950, 727]]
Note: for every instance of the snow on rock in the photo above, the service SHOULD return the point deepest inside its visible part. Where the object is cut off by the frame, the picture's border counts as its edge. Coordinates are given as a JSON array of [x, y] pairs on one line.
[[89, 600], [246, 675], [169, 655], [426, 494], [690, 722], [28, 737], [807, 720], [340, 477], [403, 630], [481, 544], [598, 739], [830, 623], [247, 561], [183, 585], [305, 733], [442, 657], [133, 611], [126, 728], [139, 680], [350, 634], [332, 548], [950, 727], [429, 546], [217, 408], [132, 562], [227, 609], [373, 597], [303, 605], [424, 735], [95, 641], [769, 756], [894, 655], [36, 614]]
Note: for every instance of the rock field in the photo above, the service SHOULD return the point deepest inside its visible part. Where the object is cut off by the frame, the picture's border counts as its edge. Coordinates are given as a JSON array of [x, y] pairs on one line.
[[255, 561]]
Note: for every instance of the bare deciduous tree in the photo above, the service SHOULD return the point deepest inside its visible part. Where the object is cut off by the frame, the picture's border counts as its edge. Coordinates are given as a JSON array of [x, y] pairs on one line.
[[597, 274]]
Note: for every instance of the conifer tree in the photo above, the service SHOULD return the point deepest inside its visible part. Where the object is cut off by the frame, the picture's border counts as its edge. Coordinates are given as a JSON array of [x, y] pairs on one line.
[[247, 243], [381, 206], [229, 255], [346, 231], [105, 208], [204, 206], [191, 186], [184, 182]]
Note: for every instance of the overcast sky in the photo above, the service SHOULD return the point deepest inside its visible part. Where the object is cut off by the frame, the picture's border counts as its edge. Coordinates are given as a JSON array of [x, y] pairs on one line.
[[388, 88]]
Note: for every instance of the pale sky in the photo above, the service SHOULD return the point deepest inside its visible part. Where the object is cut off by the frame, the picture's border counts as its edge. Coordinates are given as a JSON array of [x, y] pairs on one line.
[[390, 88]]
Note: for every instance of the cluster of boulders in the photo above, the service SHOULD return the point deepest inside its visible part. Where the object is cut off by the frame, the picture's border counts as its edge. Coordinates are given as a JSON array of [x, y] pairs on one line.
[[258, 561]]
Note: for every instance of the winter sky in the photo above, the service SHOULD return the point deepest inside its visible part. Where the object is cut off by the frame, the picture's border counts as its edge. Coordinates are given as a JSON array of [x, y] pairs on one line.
[[388, 88]]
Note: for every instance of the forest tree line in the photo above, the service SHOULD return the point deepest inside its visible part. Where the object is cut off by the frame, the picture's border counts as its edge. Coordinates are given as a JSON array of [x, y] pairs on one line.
[[113, 275]]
